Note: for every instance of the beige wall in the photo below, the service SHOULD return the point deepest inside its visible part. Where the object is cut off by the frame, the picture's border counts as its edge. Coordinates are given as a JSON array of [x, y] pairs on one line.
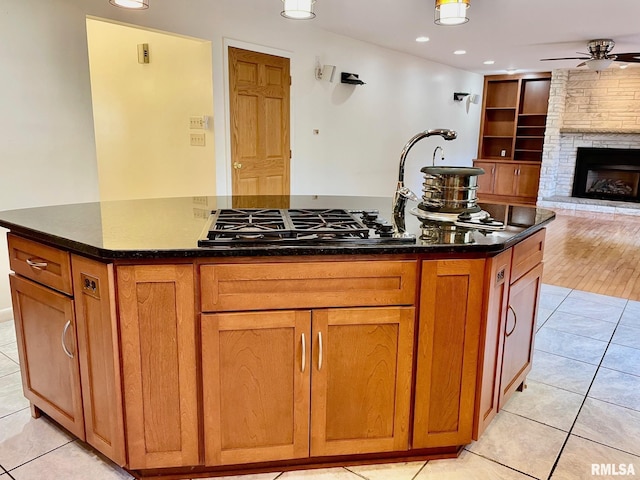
[[141, 112], [606, 100]]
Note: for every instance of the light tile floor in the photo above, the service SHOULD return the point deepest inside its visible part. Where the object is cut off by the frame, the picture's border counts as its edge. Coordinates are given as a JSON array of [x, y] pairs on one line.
[[581, 407]]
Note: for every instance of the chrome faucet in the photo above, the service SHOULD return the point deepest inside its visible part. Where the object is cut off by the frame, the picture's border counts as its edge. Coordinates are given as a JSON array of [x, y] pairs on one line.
[[403, 193], [435, 151]]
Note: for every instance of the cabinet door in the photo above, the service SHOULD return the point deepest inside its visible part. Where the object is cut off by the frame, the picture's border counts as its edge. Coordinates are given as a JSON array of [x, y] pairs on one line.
[[157, 321], [99, 356], [491, 341], [485, 182], [256, 386], [528, 180], [361, 380], [520, 326], [448, 340], [48, 355], [505, 179]]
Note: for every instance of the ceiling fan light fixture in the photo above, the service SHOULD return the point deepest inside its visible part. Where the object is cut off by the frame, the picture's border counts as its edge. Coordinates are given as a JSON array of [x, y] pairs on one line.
[[599, 64], [298, 9], [451, 12], [132, 4]]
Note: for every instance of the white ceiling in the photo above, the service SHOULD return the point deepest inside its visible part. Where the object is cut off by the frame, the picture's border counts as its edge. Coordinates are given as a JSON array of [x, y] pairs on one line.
[[516, 34]]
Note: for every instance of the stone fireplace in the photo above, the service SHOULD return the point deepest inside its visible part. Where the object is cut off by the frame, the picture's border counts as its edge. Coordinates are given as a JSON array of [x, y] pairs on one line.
[[594, 110]]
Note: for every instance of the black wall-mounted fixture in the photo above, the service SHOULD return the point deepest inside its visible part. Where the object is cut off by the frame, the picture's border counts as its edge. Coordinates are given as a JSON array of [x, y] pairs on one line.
[[350, 78], [459, 96]]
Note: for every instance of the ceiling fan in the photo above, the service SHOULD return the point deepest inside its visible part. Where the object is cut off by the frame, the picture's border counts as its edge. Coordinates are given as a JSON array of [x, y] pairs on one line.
[[599, 56]]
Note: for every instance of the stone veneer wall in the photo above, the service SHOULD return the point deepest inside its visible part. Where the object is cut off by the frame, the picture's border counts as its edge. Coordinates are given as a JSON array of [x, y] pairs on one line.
[[587, 109]]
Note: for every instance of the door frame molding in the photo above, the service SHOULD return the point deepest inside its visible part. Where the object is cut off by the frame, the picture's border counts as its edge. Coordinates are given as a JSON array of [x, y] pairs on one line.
[[225, 170]]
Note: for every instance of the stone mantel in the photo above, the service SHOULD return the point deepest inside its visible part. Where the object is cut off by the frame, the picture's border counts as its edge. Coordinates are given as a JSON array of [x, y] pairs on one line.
[[596, 131]]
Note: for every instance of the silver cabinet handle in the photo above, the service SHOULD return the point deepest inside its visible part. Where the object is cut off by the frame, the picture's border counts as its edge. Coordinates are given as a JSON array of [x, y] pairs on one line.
[[37, 265], [319, 351], [304, 354], [64, 334], [515, 321]]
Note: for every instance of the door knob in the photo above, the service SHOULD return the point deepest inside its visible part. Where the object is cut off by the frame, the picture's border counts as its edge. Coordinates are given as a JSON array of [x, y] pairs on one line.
[[237, 165]]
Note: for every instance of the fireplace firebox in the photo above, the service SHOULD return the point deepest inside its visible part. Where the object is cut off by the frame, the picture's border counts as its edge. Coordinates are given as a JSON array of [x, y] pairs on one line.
[[607, 174]]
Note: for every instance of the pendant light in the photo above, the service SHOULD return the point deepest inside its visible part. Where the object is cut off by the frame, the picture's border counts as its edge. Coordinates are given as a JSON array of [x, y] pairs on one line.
[[133, 4], [452, 12], [298, 9]]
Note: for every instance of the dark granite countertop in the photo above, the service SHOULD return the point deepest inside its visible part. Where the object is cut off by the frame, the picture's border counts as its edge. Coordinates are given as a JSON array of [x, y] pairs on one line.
[[171, 227]]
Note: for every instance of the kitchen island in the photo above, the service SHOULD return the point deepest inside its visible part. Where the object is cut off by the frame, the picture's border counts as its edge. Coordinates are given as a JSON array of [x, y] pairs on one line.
[[261, 353]]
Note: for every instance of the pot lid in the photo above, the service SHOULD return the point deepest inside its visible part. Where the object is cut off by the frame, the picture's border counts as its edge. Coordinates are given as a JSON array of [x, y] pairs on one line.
[[452, 170]]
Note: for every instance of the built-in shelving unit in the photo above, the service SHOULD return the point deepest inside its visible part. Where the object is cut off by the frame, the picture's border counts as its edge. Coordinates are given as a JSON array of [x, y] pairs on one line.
[[514, 116]]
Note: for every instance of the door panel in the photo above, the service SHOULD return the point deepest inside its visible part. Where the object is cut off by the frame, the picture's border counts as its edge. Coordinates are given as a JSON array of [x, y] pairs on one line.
[[505, 178], [256, 388], [44, 328], [157, 321], [361, 380], [259, 112]]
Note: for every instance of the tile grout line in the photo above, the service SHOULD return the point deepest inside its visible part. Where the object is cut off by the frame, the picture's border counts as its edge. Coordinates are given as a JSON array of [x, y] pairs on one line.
[[605, 445], [502, 464], [586, 395], [39, 456]]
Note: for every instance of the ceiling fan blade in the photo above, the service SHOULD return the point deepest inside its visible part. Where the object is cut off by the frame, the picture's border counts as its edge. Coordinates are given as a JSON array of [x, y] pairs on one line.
[[581, 64], [628, 57], [566, 58]]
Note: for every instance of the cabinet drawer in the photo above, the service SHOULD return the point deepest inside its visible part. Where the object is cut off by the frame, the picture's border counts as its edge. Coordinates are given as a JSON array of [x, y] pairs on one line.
[[527, 254], [46, 265], [307, 285]]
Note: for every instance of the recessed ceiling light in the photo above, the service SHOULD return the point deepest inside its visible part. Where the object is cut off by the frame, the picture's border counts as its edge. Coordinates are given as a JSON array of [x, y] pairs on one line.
[[511, 71], [489, 62], [422, 39], [459, 52]]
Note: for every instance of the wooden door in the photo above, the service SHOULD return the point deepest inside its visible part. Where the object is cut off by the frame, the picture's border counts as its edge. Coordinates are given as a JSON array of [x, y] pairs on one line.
[[259, 112], [158, 341], [505, 179], [448, 341], [361, 380], [524, 296], [97, 330], [256, 387], [492, 341], [485, 182], [46, 338], [528, 180]]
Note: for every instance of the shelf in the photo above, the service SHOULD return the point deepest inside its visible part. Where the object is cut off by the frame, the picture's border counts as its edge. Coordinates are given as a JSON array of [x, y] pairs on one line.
[[498, 136], [532, 114], [500, 108], [531, 137], [523, 150]]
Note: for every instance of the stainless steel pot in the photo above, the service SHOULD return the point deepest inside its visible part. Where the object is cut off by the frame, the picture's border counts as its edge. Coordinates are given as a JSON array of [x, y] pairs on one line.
[[450, 189]]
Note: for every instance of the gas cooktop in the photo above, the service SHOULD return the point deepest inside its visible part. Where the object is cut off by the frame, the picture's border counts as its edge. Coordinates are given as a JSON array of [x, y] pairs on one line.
[[298, 226]]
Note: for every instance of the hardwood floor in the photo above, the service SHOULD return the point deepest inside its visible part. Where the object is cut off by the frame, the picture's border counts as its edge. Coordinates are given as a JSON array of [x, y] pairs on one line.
[[597, 253]]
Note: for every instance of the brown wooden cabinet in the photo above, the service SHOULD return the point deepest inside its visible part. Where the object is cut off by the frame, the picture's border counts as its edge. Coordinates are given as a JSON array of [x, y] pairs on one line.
[[513, 123], [99, 355], [266, 373], [520, 326], [46, 335], [68, 341], [447, 352], [361, 380], [157, 331], [256, 370], [514, 278]]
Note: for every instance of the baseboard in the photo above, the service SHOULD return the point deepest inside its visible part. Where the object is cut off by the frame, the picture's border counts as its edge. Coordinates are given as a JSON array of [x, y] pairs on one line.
[[6, 314]]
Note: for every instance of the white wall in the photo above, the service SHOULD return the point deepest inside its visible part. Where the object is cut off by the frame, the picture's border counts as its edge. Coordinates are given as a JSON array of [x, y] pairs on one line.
[[46, 135]]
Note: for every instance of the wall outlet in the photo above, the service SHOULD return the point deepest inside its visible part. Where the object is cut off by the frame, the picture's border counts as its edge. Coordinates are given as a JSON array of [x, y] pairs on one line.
[[197, 140], [201, 213], [197, 123], [200, 200]]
